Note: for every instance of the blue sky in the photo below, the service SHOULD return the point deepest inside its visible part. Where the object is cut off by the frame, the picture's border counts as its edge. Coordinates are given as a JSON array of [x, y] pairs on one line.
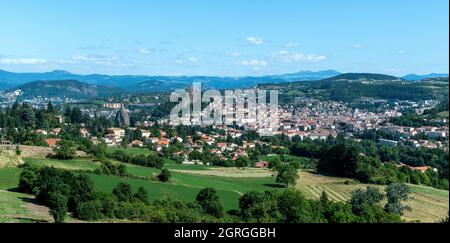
[[226, 38]]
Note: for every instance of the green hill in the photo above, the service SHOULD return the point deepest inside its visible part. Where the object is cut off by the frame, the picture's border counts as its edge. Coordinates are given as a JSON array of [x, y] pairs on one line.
[[353, 86], [65, 88], [363, 76]]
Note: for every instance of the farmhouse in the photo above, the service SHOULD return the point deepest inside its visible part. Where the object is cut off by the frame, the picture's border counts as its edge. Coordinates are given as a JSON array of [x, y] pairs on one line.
[[52, 142], [41, 132], [262, 164], [135, 143], [55, 131], [84, 132], [145, 133]]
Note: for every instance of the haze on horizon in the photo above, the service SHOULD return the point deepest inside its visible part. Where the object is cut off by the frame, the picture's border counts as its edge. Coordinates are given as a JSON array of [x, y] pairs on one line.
[[226, 38]]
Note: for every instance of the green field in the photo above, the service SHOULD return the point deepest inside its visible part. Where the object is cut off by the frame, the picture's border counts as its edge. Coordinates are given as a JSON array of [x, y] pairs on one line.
[[159, 190], [443, 114], [130, 151], [9, 178], [184, 186]]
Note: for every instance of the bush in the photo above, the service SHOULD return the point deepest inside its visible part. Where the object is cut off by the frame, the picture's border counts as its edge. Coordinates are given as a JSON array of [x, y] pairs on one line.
[[90, 210], [57, 203], [165, 175], [28, 178], [65, 150], [141, 195], [123, 192], [209, 201], [287, 175]]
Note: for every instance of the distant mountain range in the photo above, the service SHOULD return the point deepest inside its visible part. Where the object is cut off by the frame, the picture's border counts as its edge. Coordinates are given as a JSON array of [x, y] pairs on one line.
[[58, 83], [136, 83], [415, 77]]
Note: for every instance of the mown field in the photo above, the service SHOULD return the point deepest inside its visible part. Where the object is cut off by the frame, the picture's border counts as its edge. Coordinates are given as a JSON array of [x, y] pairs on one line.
[[428, 204]]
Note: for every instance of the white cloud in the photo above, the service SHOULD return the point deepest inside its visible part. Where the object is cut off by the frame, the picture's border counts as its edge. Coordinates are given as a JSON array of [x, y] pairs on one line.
[[100, 60], [254, 40], [22, 61], [400, 52], [144, 51], [253, 63], [286, 56], [189, 60], [291, 45]]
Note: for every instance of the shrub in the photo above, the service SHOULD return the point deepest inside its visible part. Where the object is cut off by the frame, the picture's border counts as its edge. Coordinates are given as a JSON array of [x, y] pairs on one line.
[[165, 175], [91, 210], [123, 192]]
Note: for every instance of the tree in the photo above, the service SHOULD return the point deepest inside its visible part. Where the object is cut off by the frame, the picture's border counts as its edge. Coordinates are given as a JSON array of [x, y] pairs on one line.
[[274, 164], [209, 201], [141, 195], [340, 159], [65, 150], [242, 162], [28, 178], [324, 199], [123, 192], [91, 210], [18, 151], [82, 190], [50, 108], [165, 175], [122, 170], [370, 197], [397, 193], [287, 175], [57, 203], [76, 116], [258, 206], [295, 208]]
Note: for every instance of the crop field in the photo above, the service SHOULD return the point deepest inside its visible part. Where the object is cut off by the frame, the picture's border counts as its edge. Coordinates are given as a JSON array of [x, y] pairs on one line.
[[228, 172], [75, 164], [131, 151], [427, 204]]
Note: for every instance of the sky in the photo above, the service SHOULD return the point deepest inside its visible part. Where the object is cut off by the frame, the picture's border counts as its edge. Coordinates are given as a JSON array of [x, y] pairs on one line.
[[224, 37]]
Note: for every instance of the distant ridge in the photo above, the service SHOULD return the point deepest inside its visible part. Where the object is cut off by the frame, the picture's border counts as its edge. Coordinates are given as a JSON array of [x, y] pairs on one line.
[[307, 75], [363, 76], [141, 83], [416, 77], [65, 88]]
